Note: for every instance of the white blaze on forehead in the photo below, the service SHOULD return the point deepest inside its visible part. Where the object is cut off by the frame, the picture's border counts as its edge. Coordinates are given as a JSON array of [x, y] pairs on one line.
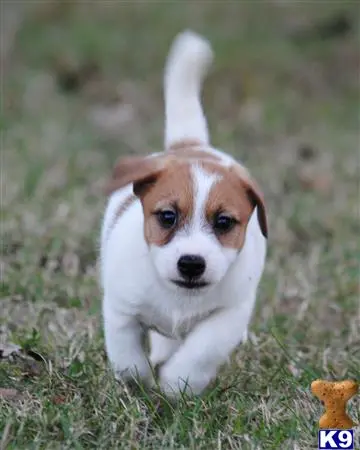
[[203, 182]]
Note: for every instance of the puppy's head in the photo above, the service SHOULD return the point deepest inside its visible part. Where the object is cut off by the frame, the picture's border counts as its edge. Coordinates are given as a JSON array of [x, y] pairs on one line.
[[196, 211]]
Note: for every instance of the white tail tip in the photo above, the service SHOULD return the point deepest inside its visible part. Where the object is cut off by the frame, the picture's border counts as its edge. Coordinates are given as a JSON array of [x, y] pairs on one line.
[[190, 54], [187, 64]]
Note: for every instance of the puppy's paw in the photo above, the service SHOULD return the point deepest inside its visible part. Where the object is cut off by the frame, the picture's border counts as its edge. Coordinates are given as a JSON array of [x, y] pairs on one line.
[[162, 348], [245, 337], [134, 370], [176, 380]]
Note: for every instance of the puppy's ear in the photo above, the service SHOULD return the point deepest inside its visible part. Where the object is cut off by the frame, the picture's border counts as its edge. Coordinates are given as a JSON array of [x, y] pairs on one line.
[[140, 171], [255, 196]]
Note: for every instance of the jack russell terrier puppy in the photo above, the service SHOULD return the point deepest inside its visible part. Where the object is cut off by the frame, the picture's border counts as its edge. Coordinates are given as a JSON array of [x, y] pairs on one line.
[[183, 244]]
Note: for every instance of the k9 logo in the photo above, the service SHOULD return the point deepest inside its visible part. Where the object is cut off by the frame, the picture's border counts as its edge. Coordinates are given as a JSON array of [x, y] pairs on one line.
[[336, 439]]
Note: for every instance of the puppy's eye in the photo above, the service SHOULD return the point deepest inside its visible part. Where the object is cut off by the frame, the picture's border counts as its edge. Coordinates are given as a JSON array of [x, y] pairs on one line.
[[167, 218], [223, 223]]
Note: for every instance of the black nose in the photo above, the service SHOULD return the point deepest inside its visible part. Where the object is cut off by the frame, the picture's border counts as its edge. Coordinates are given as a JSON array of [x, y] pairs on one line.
[[191, 266]]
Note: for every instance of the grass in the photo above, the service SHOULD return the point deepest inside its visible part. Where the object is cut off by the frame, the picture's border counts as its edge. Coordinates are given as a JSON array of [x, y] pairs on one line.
[[283, 102]]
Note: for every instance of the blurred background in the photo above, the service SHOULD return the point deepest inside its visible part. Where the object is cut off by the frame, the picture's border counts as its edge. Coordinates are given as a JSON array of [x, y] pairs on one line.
[[81, 84]]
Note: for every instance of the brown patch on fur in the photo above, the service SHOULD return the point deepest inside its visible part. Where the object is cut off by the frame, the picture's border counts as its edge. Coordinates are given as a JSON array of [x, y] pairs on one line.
[[256, 196], [128, 201], [196, 154], [173, 190], [228, 196], [135, 169], [165, 182], [192, 149], [237, 195], [185, 144]]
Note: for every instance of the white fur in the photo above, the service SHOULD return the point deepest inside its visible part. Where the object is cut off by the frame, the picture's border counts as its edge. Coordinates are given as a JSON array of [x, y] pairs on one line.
[[186, 66], [192, 332], [203, 184]]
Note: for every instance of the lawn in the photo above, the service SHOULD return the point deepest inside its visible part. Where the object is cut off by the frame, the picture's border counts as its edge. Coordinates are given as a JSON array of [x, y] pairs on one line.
[[81, 85]]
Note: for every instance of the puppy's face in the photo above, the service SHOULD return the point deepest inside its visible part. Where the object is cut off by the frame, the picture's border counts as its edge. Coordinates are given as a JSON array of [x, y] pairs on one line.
[[196, 212]]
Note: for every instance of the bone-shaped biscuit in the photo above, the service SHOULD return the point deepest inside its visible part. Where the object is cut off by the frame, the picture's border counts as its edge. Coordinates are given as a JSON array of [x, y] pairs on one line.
[[335, 395]]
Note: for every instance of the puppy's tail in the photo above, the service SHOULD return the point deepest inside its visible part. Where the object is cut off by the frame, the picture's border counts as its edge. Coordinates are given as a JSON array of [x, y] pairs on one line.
[[188, 61]]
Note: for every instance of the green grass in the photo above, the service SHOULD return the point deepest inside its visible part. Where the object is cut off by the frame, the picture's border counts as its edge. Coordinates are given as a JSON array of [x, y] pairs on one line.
[[268, 95]]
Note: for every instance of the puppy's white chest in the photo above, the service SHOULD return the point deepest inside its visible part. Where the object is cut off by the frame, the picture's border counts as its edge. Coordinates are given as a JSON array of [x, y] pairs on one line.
[[173, 325]]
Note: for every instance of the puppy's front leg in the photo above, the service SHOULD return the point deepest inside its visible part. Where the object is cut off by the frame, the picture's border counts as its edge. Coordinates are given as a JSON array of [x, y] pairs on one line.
[[208, 346], [161, 347], [124, 347]]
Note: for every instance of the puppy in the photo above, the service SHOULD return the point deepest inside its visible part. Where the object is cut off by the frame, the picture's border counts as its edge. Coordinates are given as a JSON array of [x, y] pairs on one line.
[[183, 244]]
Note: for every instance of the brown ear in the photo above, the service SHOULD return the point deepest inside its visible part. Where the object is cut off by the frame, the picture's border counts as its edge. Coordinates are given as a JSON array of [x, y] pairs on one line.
[[140, 171], [256, 197]]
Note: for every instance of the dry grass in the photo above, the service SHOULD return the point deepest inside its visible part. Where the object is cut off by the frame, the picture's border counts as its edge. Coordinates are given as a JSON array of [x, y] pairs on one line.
[[284, 97]]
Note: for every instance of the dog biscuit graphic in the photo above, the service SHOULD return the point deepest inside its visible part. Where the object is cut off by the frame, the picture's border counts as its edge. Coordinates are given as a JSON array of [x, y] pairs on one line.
[[335, 395]]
